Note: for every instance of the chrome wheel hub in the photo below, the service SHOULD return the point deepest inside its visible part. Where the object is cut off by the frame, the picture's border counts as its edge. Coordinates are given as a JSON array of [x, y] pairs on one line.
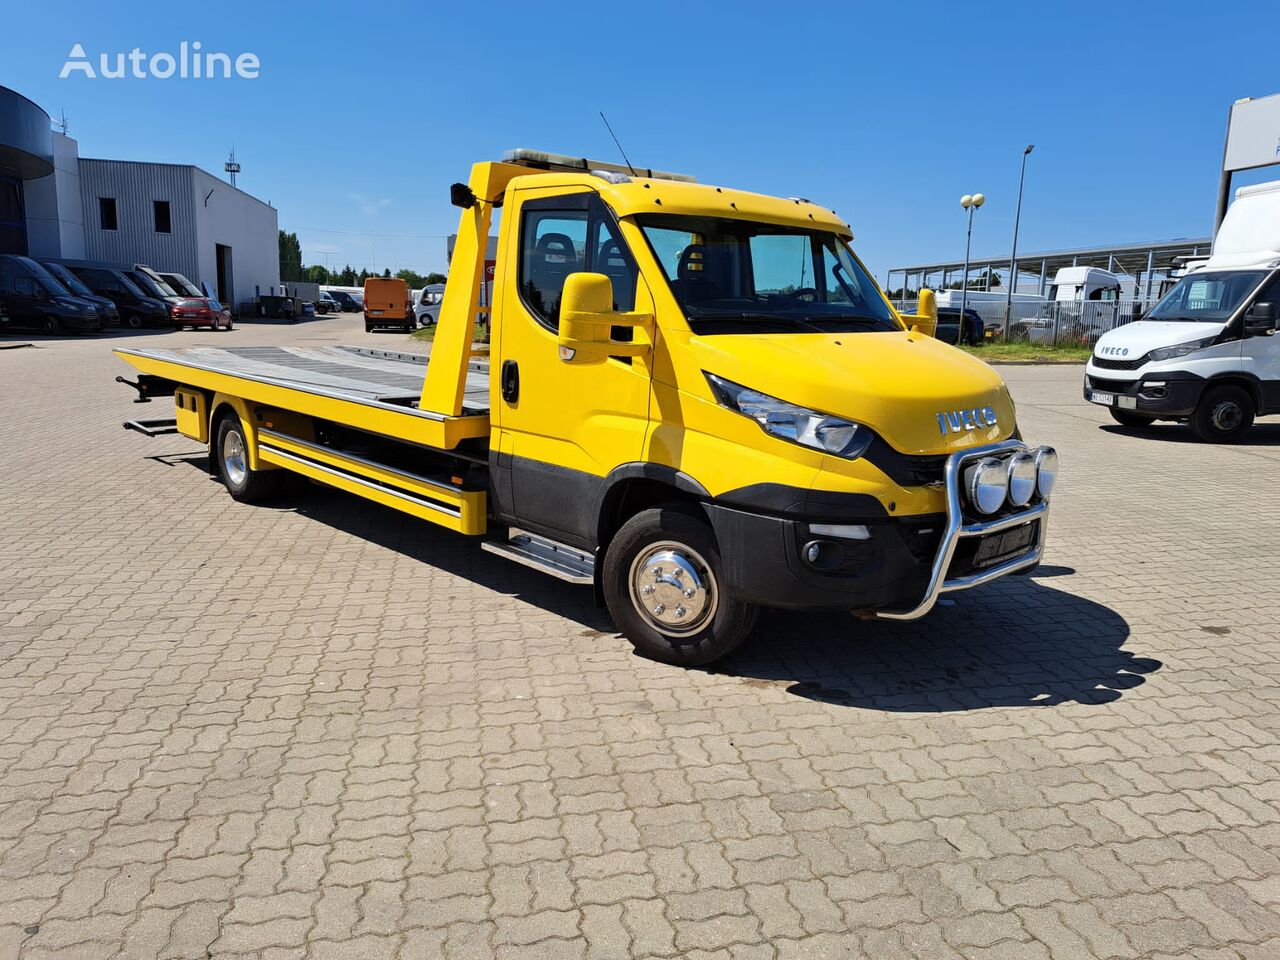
[[1227, 415], [234, 467], [673, 588]]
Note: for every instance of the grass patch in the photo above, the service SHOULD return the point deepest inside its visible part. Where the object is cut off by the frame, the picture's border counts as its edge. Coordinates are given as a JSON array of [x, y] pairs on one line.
[[1023, 351]]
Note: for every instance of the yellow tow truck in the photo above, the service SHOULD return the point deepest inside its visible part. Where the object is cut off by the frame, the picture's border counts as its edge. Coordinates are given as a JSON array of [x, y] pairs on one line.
[[700, 403]]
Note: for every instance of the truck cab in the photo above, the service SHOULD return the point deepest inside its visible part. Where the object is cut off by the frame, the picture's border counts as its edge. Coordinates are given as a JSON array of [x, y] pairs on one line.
[[695, 399], [1206, 354]]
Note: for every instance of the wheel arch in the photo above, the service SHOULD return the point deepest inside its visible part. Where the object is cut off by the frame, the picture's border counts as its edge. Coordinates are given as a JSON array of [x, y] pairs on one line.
[[223, 404], [1240, 378], [633, 487]]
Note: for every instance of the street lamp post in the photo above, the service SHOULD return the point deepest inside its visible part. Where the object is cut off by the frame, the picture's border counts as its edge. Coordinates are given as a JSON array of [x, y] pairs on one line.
[[1013, 254], [970, 202]]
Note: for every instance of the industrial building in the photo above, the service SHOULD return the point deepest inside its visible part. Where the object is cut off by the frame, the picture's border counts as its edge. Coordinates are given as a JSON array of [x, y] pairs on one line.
[[173, 217]]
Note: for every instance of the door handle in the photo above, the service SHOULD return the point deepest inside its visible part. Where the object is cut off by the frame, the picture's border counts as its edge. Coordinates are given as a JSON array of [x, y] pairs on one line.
[[510, 381]]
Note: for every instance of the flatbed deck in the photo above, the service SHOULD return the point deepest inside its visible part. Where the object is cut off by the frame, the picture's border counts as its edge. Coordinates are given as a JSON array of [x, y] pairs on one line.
[[340, 372]]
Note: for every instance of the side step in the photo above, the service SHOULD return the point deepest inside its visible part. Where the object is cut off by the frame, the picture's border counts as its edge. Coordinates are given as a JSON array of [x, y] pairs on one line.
[[153, 428], [542, 553]]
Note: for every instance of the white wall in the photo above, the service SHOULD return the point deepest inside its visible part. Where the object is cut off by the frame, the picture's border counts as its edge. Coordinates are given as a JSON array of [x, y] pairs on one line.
[[244, 223], [55, 211]]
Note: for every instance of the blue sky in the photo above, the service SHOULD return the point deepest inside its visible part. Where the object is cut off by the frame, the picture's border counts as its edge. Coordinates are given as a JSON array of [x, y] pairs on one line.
[[363, 114]]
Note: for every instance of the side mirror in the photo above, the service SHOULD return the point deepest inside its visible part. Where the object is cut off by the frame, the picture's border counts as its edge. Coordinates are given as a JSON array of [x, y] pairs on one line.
[[587, 319], [925, 319], [1260, 320]]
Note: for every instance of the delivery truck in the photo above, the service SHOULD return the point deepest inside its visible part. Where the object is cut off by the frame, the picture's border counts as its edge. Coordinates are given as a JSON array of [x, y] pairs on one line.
[[696, 401], [1207, 354]]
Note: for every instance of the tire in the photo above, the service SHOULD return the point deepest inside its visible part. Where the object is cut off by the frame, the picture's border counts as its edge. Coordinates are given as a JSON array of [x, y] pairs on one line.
[[230, 460], [368, 328], [648, 543], [50, 326], [1223, 415], [133, 321], [1128, 419]]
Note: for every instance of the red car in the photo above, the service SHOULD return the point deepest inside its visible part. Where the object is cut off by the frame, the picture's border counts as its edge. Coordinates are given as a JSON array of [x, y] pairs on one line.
[[200, 312]]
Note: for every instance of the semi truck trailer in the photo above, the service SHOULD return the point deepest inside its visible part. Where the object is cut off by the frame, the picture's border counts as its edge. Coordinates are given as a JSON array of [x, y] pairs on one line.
[[696, 402]]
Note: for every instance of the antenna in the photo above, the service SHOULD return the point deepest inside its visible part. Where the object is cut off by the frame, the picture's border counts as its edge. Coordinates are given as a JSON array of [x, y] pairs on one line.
[[615, 140], [231, 167], [63, 124]]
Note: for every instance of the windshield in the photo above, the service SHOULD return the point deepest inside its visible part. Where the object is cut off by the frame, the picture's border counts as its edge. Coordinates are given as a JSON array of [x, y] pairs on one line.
[[731, 276], [69, 279], [181, 285], [153, 286], [131, 287], [48, 282], [1205, 297]]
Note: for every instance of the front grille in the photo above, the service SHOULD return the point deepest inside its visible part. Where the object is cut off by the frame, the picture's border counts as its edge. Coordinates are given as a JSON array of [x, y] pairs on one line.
[[1107, 363], [1111, 386], [906, 469]]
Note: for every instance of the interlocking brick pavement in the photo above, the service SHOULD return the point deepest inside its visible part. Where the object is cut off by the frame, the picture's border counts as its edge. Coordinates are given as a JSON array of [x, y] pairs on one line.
[[320, 730]]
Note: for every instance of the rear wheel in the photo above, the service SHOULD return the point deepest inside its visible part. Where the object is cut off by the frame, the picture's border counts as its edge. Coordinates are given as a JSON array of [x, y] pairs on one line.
[[1223, 415], [230, 455], [50, 325], [1128, 419], [664, 584]]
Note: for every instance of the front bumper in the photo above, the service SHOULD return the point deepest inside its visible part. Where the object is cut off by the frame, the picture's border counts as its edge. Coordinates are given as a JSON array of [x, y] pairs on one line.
[[82, 322], [898, 571], [1162, 395]]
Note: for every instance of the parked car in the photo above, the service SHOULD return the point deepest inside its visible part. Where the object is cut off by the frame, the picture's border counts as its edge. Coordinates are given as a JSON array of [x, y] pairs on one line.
[[151, 284], [426, 308], [106, 309], [327, 304], [201, 312], [346, 302], [137, 309], [32, 298], [949, 328]]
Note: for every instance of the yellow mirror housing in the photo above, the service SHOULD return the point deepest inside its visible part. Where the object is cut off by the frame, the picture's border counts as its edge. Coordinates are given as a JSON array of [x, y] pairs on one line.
[[587, 319], [925, 319]]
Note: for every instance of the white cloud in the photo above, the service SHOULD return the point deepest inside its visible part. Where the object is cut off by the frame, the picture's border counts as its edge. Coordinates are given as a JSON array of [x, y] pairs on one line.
[[367, 205]]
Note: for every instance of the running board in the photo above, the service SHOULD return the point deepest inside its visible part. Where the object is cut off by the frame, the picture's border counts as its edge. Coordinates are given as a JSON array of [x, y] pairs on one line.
[[541, 553]]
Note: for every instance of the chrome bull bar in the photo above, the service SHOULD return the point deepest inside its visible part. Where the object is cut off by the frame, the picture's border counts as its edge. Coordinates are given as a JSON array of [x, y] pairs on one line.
[[957, 530]]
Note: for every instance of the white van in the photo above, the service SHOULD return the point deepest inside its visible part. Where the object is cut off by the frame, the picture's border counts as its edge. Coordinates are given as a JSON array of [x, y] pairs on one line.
[[1207, 353], [1083, 304], [426, 304]]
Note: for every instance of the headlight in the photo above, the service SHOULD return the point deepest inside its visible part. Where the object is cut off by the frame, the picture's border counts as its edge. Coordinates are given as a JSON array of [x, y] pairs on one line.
[[987, 483], [1046, 470], [69, 306], [1022, 479], [809, 428], [1181, 350]]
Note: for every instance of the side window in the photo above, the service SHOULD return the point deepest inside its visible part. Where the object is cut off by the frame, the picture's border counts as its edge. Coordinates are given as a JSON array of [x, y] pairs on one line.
[[24, 286], [553, 244], [6, 278], [1271, 292], [564, 235]]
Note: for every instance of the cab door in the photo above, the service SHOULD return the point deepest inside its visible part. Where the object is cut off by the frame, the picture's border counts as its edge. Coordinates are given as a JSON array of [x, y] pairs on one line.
[[561, 427], [1260, 354]]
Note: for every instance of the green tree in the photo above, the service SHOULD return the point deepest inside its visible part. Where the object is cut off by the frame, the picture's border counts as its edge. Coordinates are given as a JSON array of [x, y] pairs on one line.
[[433, 278], [315, 274], [290, 257], [412, 278]]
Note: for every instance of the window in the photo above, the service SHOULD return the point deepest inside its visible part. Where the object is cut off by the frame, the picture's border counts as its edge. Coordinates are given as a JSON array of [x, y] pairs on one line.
[[25, 286], [161, 211], [107, 213], [571, 234]]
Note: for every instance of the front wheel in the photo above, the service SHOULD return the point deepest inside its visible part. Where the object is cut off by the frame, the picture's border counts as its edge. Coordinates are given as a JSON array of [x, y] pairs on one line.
[[1128, 419], [134, 322], [230, 454], [1223, 415], [664, 584], [50, 326]]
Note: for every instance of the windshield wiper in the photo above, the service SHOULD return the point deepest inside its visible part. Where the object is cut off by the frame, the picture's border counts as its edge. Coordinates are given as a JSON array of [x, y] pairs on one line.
[[761, 318]]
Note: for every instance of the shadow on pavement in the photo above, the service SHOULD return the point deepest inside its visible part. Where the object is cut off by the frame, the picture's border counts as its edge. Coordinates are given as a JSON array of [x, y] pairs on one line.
[[1261, 434], [1012, 643]]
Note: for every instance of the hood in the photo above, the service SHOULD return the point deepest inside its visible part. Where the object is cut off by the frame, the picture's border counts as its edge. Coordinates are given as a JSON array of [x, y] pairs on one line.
[[1132, 340], [899, 384]]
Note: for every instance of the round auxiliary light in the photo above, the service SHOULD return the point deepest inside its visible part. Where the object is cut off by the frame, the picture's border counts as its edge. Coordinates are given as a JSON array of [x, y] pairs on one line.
[[1046, 470], [1022, 479], [987, 483]]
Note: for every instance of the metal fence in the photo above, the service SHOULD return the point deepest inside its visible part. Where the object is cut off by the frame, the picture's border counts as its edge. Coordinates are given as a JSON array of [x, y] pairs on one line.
[[1053, 323]]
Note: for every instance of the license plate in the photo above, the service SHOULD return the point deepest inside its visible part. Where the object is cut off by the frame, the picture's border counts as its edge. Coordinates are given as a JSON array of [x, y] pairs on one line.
[[375, 313], [1129, 403], [997, 546], [1106, 399]]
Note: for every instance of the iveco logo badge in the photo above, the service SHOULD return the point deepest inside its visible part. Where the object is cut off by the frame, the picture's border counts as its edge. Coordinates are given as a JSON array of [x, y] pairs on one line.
[[1113, 351], [958, 421]]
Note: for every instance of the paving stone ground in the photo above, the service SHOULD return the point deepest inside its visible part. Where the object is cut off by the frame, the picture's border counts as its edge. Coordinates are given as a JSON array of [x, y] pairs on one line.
[[323, 730]]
